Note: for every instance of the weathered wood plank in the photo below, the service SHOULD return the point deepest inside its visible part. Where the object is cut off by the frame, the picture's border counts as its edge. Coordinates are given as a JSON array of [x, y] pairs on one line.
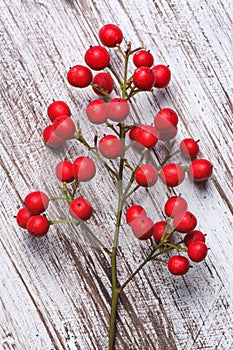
[[55, 293]]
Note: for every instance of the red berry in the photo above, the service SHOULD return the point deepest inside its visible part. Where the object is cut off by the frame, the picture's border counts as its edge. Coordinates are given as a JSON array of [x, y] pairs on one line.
[[143, 78], [143, 228], [189, 148], [64, 171], [38, 225], [64, 127], [133, 134], [162, 75], [81, 209], [166, 135], [110, 35], [143, 58], [50, 138], [58, 108], [194, 236], [84, 169], [103, 81], [160, 230], [118, 109], [22, 217], [184, 222], [110, 147], [79, 76], [146, 175], [97, 57], [146, 135], [197, 251], [172, 174], [175, 205], [200, 170], [36, 202], [165, 119], [134, 212], [96, 111], [178, 265]]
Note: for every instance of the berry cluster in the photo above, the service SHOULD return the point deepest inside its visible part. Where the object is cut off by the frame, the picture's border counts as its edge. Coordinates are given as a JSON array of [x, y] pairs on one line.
[[112, 146], [29, 217], [184, 222], [177, 230]]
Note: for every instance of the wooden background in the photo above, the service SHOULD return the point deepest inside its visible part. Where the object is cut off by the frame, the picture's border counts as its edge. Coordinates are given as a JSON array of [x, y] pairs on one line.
[[55, 292]]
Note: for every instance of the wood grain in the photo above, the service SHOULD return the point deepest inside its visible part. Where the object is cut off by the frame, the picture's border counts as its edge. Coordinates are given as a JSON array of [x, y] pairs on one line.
[[55, 292]]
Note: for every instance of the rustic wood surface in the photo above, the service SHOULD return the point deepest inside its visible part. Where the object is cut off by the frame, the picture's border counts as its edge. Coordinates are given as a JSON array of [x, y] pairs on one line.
[[55, 292]]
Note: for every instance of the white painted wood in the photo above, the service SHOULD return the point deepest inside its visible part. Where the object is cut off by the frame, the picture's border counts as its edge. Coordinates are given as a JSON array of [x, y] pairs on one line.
[[55, 291]]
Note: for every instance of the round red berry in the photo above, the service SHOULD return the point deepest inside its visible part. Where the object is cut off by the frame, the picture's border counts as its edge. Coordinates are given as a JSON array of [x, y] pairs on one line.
[[175, 205], [36, 202], [178, 265], [143, 228], [169, 134], [97, 57], [143, 58], [38, 225], [200, 170], [22, 217], [133, 134], [64, 171], [184, 222], [79, 76], [143, 78], [134, 212], [165, 119], [146, 135], [146, 175], [57, 108], [162, 76], [189, 148], [193, 236], [103, 81], [110, 147], [64, 127], [110, 35], [118, 109], [160, 230], [172, 174], [96, 111], [197, 251], [84, 169], [50, 138], [81, 209]]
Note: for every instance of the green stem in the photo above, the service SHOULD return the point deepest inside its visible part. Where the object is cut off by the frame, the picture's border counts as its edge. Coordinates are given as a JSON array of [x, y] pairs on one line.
[[151, 256], [131, 180], [124, 86], [167, 157], [177, 247], [133, 92], [115, 294], [148, 258], [112, 127], [65, 192], [104, 92], [119, 49], [56, 222], [115, 74], [57, 198], [76, 185], [132, 191]]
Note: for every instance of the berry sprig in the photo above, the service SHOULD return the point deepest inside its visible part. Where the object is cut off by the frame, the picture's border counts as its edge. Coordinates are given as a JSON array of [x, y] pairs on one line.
[[176, 230]]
